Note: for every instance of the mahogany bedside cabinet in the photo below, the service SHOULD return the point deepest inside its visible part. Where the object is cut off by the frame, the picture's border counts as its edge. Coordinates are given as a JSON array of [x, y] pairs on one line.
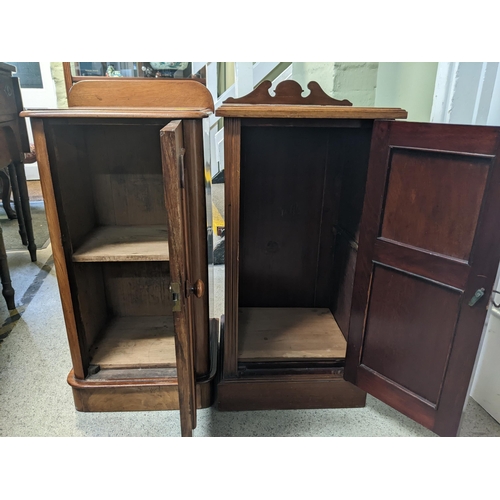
[[361, 253]]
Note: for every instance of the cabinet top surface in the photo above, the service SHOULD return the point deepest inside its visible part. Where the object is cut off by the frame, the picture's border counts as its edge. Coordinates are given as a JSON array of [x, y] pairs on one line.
[[306, 111], [118, 112]]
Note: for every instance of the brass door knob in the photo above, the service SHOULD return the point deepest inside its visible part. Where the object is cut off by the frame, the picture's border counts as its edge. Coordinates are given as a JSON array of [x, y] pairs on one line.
[[198, 288]]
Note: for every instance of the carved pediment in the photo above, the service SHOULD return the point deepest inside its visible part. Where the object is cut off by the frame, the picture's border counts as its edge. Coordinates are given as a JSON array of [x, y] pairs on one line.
[[288, 92]]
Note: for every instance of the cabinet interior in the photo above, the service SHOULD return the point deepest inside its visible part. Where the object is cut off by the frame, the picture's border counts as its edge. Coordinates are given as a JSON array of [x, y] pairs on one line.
[[110, 193], [301, 196]]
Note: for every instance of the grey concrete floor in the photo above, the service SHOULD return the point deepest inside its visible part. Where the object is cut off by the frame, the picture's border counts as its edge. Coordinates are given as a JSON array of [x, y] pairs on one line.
[[35, 399]]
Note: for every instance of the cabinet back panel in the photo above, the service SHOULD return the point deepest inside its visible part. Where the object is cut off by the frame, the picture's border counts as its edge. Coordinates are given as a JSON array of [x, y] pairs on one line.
[[298, 186], [124, 149], [127, 181], [137, 288], [282, 174], [129, 199]]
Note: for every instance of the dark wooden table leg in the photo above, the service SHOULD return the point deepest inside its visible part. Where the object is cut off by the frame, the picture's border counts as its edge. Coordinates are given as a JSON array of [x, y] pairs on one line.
[[11, 214], [17, 203], [7, 290], [25, 203]]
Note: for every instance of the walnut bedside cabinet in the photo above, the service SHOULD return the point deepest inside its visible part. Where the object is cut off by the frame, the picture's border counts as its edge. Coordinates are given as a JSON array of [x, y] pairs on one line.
[[124, 181]]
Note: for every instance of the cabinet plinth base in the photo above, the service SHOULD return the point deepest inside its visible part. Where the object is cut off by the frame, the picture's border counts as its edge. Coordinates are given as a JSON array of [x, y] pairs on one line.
[[292, 394], [132, 395]]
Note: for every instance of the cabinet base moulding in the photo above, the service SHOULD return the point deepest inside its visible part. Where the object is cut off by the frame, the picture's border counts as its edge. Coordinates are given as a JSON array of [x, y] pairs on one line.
[[132, 395], [272, 394]]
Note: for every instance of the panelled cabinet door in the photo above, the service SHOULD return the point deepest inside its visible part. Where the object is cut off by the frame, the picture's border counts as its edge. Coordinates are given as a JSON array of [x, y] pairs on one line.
[[178, 239], [428, 255]]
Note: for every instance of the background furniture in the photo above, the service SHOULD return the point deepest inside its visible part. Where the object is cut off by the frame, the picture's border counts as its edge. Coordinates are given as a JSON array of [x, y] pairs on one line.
[[131, 263], [7, 290], [134, 70], [14, 144]]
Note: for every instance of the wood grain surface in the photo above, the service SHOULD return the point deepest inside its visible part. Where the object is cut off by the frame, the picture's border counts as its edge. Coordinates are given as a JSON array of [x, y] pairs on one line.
[[156, 93], [172, 147], [426, 245], [288, 92], [77, 344], [290, 111], [136, 342], [273, 334], [122, 112], [124, 244]]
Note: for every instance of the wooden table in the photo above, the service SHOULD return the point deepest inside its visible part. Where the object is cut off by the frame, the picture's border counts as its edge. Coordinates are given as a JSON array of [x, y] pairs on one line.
[[14, 143]]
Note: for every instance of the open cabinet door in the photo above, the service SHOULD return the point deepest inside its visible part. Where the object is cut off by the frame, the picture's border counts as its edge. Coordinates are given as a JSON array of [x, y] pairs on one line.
[[428, 255], [181, 291]]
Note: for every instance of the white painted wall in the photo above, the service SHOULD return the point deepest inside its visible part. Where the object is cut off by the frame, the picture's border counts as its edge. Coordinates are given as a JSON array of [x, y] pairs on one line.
[[469, 93], [407, 85], [356, 82], [321, 72]]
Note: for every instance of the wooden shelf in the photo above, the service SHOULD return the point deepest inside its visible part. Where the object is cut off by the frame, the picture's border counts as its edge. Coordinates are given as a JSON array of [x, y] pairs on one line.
[[277, 334], [136, 342], [124, 244]]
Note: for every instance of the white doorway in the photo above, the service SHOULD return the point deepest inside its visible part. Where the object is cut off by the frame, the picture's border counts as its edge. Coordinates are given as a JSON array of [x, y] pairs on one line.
[[469, 93], [486, 385]]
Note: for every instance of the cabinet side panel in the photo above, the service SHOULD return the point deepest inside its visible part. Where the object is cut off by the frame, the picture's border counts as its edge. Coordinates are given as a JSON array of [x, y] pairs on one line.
[[91, 299], [70, 169], [352, 166], [356, 148], [344, 265], [78, 351], [232, 148]]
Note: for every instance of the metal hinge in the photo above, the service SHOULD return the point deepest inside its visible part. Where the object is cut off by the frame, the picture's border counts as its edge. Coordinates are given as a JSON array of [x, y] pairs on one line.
[[475, 298]]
